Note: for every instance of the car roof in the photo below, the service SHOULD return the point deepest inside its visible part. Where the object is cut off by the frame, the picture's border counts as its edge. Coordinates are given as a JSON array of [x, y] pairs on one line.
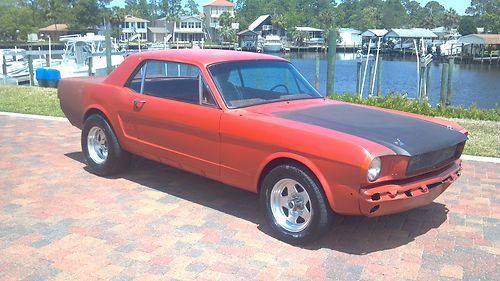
[[204, 56]]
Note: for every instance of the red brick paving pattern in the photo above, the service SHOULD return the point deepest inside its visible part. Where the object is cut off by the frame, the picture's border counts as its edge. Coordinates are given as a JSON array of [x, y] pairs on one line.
[[59, 222]]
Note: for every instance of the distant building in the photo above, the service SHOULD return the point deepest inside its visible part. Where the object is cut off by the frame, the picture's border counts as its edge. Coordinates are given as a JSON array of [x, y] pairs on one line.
[[444, 33], [263, 26], [54, 31], [350, 37], [315, 35], [212, 12], [189, 29], [247, 40], [133, 27]]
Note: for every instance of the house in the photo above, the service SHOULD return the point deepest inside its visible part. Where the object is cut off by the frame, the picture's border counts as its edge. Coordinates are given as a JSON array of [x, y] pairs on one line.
[[263, 26], [189, 29], [133, 28], [247, 40], [372, 33], [212, 11], [161, 30], [54, 31], [350, 37], [445, 33], [315, 35]]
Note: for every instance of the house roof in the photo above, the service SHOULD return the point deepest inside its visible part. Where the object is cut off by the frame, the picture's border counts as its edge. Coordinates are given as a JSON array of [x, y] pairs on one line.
[[258, 22], [55, 27], [246, 32], [483, 39], [411, 33], [307, 28], [349, 30], [220, 3], [188, 17], [374, 33], [134, 19], [158, 30]]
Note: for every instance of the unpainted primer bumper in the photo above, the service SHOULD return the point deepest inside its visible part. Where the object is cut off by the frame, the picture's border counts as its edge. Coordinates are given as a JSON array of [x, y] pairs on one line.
[[406, 195]]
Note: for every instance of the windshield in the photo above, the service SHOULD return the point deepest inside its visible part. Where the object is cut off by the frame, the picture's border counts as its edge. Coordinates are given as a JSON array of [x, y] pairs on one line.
[[247, 83]]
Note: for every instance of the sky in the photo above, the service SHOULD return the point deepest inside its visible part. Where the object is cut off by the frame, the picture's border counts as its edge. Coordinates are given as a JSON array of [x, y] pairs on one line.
[[458, 5]]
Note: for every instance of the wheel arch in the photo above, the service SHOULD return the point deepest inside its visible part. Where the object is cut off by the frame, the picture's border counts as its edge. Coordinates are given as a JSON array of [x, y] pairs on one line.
[[289, 158]]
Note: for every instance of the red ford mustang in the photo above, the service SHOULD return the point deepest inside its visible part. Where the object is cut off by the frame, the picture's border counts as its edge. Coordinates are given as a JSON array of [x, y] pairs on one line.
[[252, 121]]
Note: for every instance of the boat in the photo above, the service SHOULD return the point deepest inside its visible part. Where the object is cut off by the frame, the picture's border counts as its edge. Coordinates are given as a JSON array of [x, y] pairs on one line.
[[77, 53], [272, 43], [17, 66]]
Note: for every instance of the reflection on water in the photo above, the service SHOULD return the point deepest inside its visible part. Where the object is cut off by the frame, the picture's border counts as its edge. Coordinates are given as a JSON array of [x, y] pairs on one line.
[[472, 83]]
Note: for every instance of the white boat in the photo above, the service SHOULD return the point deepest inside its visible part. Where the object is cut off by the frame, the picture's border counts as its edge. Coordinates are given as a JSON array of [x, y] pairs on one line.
[[77, 51], [451, 47], [17, 66], [272, 43]]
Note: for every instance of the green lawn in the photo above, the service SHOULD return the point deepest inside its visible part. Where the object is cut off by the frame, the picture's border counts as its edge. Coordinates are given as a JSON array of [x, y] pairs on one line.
[[31, 100], [484, 136]]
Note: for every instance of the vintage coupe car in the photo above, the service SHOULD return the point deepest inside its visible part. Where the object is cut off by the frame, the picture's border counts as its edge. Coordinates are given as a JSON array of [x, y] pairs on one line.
[[252, 121]]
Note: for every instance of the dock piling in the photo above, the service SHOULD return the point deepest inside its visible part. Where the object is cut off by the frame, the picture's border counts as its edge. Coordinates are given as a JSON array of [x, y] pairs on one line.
[[379, 76], [359, 76], [90, 66], [444, 82], [4, 70], [109, 66], [30, 70], [332, 50], [450, 82], [316, 80]]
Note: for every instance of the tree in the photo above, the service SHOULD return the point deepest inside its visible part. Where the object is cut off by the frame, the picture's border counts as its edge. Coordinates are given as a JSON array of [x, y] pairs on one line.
[[174, 8], [486, 13], [191, 7], [393, 14], [467, 26], [451, 19]]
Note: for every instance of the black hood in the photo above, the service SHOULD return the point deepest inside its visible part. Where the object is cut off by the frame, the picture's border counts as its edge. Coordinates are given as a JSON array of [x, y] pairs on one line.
[[404, 135]]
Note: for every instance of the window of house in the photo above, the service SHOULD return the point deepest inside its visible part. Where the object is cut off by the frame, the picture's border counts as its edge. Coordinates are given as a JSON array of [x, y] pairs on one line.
[[183, 24], [171, 80], [198, 24], [191, 24]]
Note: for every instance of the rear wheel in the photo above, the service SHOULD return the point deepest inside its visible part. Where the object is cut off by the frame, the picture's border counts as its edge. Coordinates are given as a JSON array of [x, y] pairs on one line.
[[294, 204], [101, 150]]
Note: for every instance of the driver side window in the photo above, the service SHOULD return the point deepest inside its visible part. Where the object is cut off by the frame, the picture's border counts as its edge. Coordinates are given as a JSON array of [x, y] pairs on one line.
[[172, 80]]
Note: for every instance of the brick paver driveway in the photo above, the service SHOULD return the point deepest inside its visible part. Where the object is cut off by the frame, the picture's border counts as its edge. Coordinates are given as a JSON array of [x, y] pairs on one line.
[[58, 221]]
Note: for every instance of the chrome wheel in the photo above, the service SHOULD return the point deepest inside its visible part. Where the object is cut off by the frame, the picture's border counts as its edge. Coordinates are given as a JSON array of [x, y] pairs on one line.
[[97, 145], [290, 205]]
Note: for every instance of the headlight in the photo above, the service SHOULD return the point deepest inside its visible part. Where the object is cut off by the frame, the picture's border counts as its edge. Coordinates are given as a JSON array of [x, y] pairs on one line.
[[374, 169]]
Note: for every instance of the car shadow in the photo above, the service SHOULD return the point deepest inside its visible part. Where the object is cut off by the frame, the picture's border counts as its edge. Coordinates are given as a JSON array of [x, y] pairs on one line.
[[348, 234]]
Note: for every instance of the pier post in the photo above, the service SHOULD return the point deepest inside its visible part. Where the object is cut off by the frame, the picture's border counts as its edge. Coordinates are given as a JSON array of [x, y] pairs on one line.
[[4, 70], [427, 81], [379, 76], [450, 82], [332, 51], [90, 66], [109, 66], [30, 70], [370, 85], [359, 76], [444, 79], [316, 80]]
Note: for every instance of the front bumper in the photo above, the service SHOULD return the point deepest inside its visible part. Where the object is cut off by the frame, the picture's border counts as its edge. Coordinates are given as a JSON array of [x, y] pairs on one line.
[[408, 194]]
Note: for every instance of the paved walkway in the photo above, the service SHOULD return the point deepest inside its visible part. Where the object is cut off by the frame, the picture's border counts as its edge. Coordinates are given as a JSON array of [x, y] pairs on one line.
[[60, 222]]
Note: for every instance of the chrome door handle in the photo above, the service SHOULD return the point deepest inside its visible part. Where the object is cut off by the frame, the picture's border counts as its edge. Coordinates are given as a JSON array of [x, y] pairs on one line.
[[138, 104]]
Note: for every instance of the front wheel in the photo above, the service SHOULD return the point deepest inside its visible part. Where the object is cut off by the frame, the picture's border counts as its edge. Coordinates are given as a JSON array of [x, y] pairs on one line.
[[101, 150], [294, 204]]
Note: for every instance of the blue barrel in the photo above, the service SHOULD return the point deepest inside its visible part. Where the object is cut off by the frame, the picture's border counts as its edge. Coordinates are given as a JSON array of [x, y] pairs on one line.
[[41, 77], [53, 76]]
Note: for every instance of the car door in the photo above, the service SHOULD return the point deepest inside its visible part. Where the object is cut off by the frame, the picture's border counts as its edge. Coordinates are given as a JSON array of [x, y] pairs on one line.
[[176, 118]]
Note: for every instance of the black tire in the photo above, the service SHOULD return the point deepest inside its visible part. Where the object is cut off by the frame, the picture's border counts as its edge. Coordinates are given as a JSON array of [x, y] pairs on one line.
[[320, 216], [116, 160]]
